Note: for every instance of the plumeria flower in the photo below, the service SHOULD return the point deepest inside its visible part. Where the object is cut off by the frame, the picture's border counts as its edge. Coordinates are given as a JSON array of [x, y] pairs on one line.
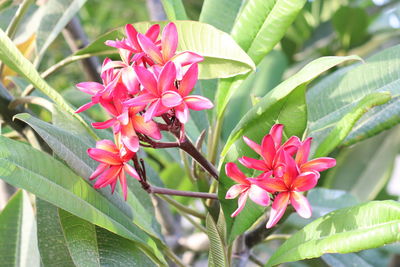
[[270, 151], [167, 52], [99, 91], [244, 189], [318, 164], [113, 160]]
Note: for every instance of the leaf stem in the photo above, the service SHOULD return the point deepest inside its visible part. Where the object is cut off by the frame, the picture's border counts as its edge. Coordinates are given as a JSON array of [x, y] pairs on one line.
[[173, 192], [181, 207]]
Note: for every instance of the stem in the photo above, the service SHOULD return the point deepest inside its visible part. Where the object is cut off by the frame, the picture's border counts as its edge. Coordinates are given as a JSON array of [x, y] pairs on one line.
[[171, 255], [255, 260], [167, 191], [189, 148], [181, 207], [277, 236], [214, 140], [194, 223]]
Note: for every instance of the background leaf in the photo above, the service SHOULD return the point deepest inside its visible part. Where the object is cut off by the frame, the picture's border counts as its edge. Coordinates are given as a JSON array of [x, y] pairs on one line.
[[221, 14], [174, 9]]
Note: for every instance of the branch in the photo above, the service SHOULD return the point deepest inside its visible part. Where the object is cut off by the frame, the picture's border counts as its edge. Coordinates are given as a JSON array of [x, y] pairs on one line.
[[167, 191]]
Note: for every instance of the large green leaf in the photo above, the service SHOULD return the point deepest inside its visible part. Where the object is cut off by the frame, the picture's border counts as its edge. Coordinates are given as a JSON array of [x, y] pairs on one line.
[[260, 26], [72, 149], [334, 96], [37, 172], [12, 57], [18, 240], [221, 14], [217, 251], [364, 169], [174, 9], [222, 56], [284, 104], [365, 226]]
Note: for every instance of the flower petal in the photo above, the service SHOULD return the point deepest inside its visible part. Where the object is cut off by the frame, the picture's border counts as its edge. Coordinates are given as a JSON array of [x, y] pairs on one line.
[[305, 181], [197, 102], [131, 171], [130, 80], [101, 168], [291, 169], [300, 204], [107, 145], [189, 80], [169, 41], [303, 152], [276, 134], [318, 164], [90, 88], [233, 172], [140, 100], [129, 137], [149, 128], [131, 34], [278, 209], [182, 113], [241, 203], [271, 185], [259, 195], [85, 107], [171, 99], [253, 145], [167, 77], [104, 156], [152, 110], [187, 58], [235, 190], [292, 145], [147, 79], [104, 124], [253, 163], [153, 32], [150, 48], [124, 186], [268, 150], [108, 177]]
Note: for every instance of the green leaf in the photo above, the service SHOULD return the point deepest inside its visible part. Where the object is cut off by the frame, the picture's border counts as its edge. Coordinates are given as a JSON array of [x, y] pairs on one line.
[[284, 104], [222, 56], [217, 247], [72, 149], [37, 172], [367, 258], [345, 124], [334, 96], [174, 9], [12, 57], [364, 169], [365, 226], [221, 14], [18, 240]]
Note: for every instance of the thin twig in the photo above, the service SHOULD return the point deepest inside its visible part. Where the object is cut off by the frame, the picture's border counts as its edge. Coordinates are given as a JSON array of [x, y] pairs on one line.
[[193, 222], [173, 192], [276, 237], [181, 207], [254, 259]]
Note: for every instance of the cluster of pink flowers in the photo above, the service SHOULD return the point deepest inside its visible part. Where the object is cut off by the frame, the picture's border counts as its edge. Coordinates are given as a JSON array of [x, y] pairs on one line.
[[150, 80], [285, 173]]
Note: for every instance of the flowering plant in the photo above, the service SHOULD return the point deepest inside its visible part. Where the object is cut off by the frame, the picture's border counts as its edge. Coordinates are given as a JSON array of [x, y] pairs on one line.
[[176, 150]]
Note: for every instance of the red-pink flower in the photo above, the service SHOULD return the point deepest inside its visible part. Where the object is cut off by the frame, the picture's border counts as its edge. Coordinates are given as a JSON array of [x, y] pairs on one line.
[[270, 151], [244, 189], [113, 165]]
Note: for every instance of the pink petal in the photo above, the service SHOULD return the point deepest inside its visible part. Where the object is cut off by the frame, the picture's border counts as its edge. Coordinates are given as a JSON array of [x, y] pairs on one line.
[[171, 99], [291, 170], [153, 32], [149, 128], [129, 137], [107, 145], [253, 145], [117, 44], [318, 164], [268, 150], [84, 107], [131, 171], [152, 110], [278, 209], [276, 133], [113, 185], [300, 204], [124, 186], [187, 58], [150, 48], [141, 100], [292, 145], [169, 41], [233, 172], [305, 181], [167, 77], [108, 177], [241, 203], [253, 163], [235, 190], [104, 156], [271, 185], [146, 78], [130, 80], [182, 113], [90, 88], [303, 152], [189, 80], [105, 124], [101, 168], [131, 33], [197, 102], [259, 195]]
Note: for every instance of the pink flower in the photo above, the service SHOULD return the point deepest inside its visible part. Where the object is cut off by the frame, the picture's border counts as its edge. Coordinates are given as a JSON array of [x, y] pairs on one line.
[[113, 165], [167, 52], [244, 189], [270, 151]]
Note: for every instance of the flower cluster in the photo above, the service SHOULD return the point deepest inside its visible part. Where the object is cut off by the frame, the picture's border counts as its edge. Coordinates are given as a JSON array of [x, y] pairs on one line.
[[285, 173], [151, 80]]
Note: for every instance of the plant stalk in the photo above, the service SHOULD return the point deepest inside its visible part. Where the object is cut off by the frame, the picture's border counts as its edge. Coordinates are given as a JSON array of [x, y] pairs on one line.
[[172, 192]]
